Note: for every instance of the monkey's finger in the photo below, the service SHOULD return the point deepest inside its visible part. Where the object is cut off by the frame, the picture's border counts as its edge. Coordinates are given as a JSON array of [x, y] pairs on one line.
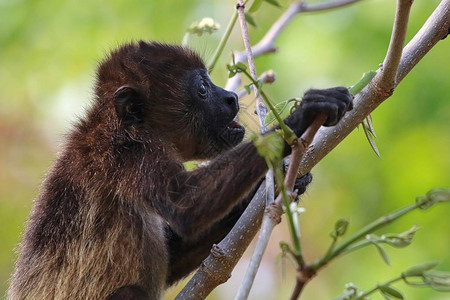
[[338, 93], [333, 117], [342, 108], [302, 182], [313, 96], [350, 105], [345, 95], [329, 108]]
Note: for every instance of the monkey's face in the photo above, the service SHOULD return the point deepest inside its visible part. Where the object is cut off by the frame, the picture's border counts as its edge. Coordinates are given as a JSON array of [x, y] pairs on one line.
[[166, 90], [215, 110]]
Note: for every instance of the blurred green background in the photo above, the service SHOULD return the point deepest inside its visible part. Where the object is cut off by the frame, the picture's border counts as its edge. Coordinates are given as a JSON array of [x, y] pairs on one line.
[[48, 54]]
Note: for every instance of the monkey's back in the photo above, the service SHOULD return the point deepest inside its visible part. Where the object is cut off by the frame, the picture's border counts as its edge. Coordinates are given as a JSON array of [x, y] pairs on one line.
[[86, 243]]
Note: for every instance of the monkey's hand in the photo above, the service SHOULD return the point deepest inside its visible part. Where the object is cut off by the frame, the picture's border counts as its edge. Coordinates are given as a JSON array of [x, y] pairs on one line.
[[301, 183], [334, 102]]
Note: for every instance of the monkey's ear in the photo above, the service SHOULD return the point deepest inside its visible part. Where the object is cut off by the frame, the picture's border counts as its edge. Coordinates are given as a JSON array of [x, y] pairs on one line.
[[129, 105]]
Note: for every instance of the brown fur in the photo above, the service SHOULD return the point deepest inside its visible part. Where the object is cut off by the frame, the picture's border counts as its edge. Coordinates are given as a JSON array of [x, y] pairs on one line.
[[100, 222], [118, 216]]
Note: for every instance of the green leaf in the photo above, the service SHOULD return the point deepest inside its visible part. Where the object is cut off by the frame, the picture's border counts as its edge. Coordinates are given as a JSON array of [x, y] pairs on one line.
[[370, 138], [351, 292], [255, 6], [370, 125], [270, 146], [433, 196], [283, 109], [400, 240], [248, 89], [250, 20], [231, 73], [232, 68], [236, 68], [438, 280], [439, 195], [419, 269], [365, 79], [241, 66], [385, 296], [391, 291], [383, 253], [273, 2], [259, 84], [285, 247], [367, 124], [340, 227]]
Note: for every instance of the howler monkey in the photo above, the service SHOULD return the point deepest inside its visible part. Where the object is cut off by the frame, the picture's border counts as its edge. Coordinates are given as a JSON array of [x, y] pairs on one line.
[[118, 215]]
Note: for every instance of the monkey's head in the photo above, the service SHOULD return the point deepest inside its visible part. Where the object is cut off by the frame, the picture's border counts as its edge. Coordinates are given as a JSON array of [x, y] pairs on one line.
[[163, 91]]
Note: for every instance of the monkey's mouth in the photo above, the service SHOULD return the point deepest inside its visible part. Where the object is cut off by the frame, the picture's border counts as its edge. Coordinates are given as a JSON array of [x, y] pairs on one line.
[[234, 133], [235, 125]]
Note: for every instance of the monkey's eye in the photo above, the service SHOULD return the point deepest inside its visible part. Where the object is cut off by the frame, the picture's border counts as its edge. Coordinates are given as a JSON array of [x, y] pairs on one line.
[[202, 92]]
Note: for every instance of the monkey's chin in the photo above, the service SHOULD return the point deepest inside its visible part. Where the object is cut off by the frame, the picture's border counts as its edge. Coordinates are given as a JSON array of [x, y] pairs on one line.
[[233, 133]]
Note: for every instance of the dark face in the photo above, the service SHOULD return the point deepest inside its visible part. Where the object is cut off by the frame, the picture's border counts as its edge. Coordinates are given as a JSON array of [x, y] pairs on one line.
[[216, 110], [165, 90]]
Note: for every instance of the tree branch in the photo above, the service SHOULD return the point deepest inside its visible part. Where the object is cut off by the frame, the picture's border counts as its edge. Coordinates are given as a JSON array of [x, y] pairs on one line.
[[231, 248], [272, 215], [261, 108], [394, 53], [267, 77], [435, 28], [267, 43], [235, 243]]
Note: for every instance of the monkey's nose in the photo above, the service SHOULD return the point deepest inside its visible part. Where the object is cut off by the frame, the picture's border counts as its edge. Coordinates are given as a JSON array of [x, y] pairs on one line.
[[231, 99]]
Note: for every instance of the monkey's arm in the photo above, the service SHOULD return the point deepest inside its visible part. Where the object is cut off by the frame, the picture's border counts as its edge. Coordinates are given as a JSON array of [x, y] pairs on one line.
[[186, 256], [197, 199]]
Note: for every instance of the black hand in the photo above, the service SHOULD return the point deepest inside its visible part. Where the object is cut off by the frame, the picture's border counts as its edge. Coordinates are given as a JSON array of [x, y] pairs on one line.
[[333, 101], [302, 183]]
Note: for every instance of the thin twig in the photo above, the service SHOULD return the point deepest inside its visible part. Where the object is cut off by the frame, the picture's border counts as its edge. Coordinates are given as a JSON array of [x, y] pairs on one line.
[[267, 43], [305, 140], [434, 29], [222, 42], [384, 85], [325, 6], [299, 284], [261, 108], [238, 239], [303, 276], [267, 77], [386, 82], [272, 217], [395, 49], [373, 226], [215, 270]]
